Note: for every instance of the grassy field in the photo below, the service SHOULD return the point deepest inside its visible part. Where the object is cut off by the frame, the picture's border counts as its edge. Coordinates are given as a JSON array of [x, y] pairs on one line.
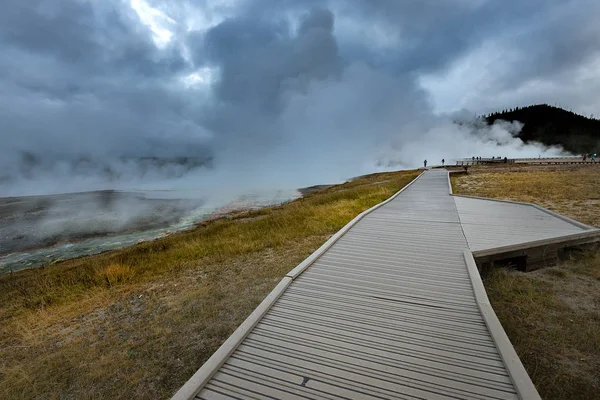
[[552, 316], [138, 322]]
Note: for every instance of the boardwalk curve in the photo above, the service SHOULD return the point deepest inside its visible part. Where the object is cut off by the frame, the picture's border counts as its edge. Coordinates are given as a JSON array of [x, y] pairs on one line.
[[392, 306]]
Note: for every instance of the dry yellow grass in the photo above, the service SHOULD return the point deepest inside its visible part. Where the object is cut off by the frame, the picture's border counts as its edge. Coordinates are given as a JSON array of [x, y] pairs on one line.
[[136, 323], [552, 316], [115, 274]]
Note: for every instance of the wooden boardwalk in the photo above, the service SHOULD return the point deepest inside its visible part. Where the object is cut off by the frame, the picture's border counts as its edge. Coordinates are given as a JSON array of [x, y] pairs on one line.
[[391, 307], [531, 161], [491, 223]]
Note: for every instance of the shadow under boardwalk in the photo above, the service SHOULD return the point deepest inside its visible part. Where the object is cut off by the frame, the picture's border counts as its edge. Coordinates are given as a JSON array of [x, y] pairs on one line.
[[388, 311]]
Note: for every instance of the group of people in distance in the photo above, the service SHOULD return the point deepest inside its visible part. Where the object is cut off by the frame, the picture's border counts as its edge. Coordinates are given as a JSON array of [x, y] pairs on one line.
[[493, 158], [592, 157], [425, 163]]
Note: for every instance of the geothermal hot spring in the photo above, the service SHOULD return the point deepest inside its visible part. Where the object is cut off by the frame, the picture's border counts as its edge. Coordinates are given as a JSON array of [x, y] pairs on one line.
[[40, 230]]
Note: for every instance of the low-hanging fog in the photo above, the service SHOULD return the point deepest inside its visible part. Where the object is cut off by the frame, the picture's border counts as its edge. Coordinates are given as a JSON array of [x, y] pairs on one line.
[[227, 97]]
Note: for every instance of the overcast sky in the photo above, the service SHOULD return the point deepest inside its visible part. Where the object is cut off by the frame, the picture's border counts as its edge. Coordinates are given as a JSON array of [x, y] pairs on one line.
[[303, 91]]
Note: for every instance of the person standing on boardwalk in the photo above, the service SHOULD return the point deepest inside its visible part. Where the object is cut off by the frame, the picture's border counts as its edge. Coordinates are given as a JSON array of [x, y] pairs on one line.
[[425, 164], [443, 162]]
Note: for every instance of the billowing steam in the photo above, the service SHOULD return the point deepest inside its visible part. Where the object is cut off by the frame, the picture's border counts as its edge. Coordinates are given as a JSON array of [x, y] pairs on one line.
[[251, 96], [265, 95]]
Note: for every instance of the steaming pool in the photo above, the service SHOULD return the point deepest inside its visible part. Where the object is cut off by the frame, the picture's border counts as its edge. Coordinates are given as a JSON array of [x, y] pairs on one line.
[[42, 230]]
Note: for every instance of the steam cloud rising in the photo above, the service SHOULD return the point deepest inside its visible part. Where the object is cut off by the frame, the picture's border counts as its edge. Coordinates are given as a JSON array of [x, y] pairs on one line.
[[232, 96]]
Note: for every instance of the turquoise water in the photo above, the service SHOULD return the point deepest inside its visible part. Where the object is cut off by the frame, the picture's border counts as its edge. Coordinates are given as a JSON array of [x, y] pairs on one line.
[[50, 255]]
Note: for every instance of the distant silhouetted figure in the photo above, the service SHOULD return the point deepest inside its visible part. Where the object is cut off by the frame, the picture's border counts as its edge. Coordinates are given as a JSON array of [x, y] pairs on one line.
[[443, 161], [584, 157], [425, 164]]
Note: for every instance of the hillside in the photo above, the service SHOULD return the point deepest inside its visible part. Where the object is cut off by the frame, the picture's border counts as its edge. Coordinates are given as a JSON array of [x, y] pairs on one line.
[[554, 126]]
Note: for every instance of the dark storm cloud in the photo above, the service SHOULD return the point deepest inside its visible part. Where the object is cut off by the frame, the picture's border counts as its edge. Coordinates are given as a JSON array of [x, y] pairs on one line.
[[85, 81], [548, 53], [427, 34], [288, 101], [570, 40], [296, 88], [260, 61], [101, 39], [541, 39]]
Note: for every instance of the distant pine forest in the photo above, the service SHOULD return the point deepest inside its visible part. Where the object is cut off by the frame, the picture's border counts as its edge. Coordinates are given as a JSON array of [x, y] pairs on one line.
[[554, 126]]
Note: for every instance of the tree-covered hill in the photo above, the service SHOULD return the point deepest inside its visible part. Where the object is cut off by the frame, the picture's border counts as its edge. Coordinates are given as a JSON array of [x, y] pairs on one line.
[[554, 126]]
